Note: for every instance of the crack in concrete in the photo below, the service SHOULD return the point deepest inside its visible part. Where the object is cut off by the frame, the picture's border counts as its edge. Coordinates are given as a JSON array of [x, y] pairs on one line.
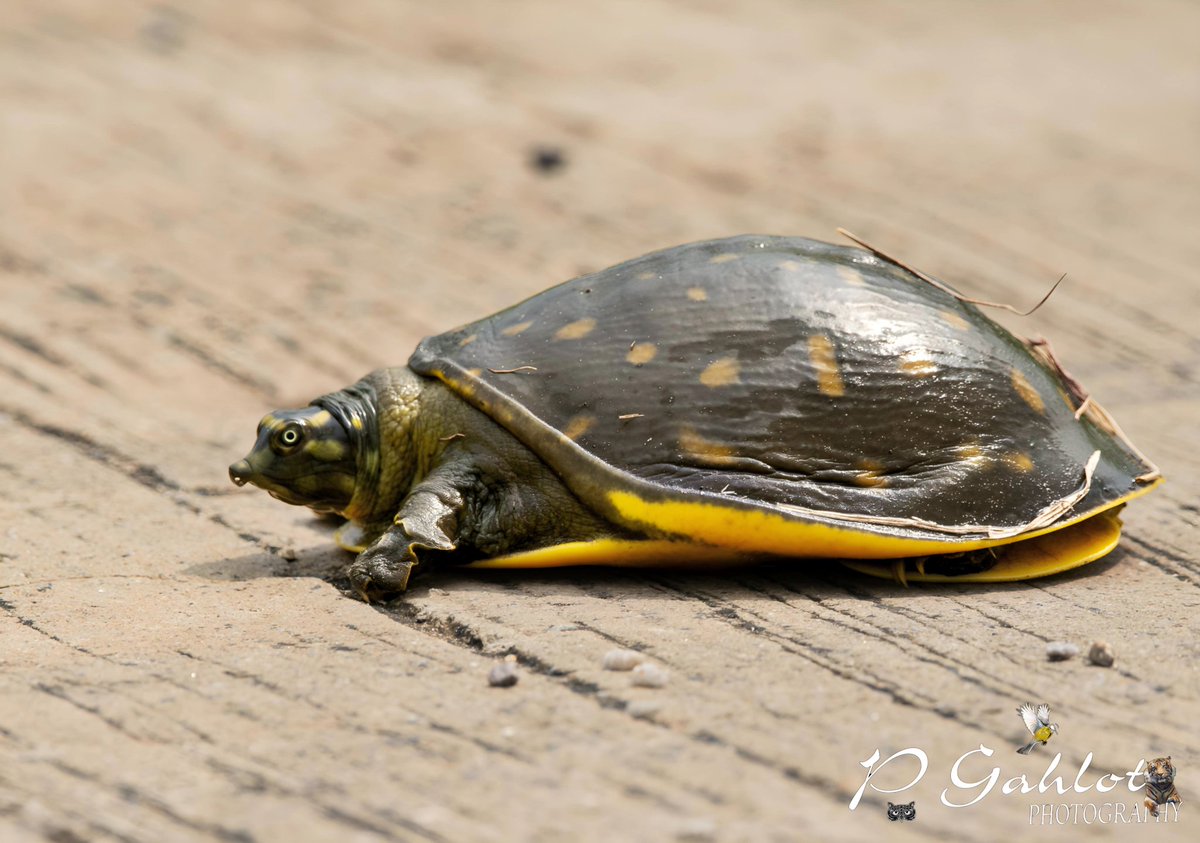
[[887, 635], [1153, 554], [731, 616], [58, 693], [140, 473], [463, 635], [32, 346], [135, 796]]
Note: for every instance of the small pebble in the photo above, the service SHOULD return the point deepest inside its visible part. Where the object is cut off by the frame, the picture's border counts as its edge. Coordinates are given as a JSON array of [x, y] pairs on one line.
[[504, 675], [547, 159], [697, 831], [622, 659], [1101, 654], [1060, 651], [648, 675], [643, 709], [288, 554]]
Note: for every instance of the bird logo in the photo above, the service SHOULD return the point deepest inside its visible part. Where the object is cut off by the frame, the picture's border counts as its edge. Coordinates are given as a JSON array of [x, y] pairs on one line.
[[1037, 721]]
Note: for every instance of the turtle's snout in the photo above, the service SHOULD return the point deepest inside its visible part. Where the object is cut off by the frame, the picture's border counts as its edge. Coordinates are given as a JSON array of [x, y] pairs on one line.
[[240, 472]]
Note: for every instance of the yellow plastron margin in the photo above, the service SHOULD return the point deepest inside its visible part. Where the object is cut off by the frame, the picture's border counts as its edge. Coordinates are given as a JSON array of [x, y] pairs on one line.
[[621, 553], [1051, 553], [760, 531]]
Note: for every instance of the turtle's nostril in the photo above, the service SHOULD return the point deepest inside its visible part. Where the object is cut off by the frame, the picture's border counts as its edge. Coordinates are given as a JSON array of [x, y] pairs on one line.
[[240, 472]]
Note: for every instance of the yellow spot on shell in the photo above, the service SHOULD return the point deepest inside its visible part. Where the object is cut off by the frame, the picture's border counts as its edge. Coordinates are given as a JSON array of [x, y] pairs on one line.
[[1028, 394], [703, 450], [641, 352], [974, 456], [356, 423], [824, 362], [1020, 461], [575, 330], [474, 372], [954, 320], [720, 372], [851, 276], [513, 330], [870, 473], [467, 340], [697, 294], [790, 266], [917, 364], [326, 450], [578, 426], [725, 258]]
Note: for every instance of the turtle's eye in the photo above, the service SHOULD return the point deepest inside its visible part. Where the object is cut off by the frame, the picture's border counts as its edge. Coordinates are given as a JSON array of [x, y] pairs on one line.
[[288, 438]]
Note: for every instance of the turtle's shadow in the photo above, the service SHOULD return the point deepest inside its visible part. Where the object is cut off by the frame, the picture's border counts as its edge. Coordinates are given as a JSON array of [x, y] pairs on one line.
[[814, 579], [773, 579], [323, 561]]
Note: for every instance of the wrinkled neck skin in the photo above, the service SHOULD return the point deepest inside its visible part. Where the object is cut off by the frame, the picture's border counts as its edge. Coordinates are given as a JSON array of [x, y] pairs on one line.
[[384, 413], [355, 409]]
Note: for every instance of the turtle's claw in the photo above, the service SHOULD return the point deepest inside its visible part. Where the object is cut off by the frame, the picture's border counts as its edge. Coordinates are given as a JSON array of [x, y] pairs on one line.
[[376, 573], [361, 591]]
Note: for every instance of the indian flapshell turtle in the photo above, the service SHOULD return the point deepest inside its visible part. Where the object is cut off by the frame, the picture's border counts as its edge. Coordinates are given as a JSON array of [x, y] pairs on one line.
[[710, 403]]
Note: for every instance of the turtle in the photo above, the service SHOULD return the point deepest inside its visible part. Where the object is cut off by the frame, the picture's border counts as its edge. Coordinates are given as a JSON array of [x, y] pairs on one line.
[[709, 404]]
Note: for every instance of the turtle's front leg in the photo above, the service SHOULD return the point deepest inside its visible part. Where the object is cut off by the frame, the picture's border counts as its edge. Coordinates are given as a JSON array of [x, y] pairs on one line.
[[428, 518]]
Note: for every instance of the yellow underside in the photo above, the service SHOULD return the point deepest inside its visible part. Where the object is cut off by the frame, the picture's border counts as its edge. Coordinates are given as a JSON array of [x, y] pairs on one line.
[[1043, 556], [621, 553], [757, 531]]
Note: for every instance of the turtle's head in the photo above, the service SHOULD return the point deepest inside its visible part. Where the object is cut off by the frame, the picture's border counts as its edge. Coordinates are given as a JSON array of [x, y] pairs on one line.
[[301, 457], [317, 456]]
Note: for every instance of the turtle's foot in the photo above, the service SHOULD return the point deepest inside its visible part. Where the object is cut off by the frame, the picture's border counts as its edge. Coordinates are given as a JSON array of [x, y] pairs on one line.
[[379, 573], [428, 519], [946, 565], [961, 564]]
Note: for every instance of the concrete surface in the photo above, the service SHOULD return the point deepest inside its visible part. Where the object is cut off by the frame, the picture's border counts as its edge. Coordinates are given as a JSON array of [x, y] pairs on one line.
[[210, 209]]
